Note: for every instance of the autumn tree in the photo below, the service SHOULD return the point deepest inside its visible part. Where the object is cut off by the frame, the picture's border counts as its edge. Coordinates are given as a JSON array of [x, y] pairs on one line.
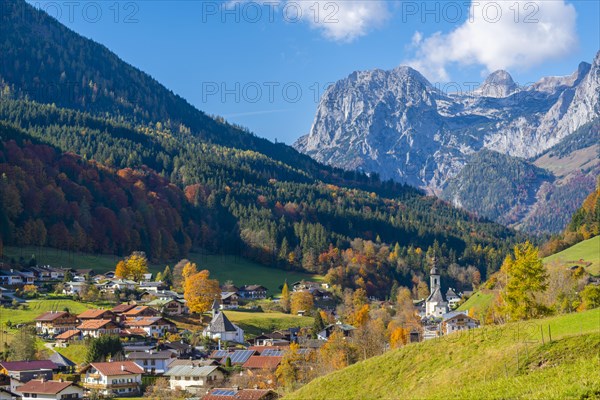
[[178, 274], [526, 278], [302, 301], [200, 291], [133, 267], [289, 370], [337, 353], [285, 297]]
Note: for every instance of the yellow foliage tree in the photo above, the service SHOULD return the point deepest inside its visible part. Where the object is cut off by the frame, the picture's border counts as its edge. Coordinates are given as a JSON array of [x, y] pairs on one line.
[[200, 291], [302, 301], [188, 270], [121, 270], [133, 267], [285, 297], [361, 316], [398, 337]]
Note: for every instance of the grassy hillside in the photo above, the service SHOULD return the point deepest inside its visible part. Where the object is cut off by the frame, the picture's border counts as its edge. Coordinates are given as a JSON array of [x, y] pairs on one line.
[[588, 251], [509, 361], [223, 268], [254, 323], [479, 302]]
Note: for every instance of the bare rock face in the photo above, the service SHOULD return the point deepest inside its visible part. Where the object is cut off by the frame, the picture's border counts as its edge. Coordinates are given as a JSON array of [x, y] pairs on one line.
[[397, 124]]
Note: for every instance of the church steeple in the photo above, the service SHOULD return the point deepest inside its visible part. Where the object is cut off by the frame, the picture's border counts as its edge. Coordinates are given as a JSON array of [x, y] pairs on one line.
[[434, 276]]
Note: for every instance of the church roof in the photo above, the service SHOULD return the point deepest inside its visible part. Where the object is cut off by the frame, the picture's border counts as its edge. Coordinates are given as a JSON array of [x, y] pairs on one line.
[[436, 296], [220, 323], [451, 293]]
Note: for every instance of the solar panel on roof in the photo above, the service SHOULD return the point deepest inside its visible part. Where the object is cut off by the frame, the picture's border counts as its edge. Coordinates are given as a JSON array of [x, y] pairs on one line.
[[241, 356], [272, 353], [223, 393], [220, 353]]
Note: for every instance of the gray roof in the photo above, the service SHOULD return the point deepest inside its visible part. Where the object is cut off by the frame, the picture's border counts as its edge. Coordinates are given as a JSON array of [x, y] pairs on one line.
[[187, 370], [436, 296], [220, 323], [61, 360], [451, 293], [148, 355]]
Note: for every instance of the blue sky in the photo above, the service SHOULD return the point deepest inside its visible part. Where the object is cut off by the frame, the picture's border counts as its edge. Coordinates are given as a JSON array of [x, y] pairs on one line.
[[264, 65]]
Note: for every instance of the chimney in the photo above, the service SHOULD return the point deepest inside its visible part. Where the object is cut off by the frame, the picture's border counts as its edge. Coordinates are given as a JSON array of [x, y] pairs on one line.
[[122, 367]]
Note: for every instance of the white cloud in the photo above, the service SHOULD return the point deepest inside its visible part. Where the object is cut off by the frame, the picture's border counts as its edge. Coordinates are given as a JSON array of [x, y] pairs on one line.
[[500, 35], [344, 20]]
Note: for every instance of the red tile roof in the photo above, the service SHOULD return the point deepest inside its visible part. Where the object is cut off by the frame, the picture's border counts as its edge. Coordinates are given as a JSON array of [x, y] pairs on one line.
[[117, 368], [122, 308], [96, 324], [263, 362], [28, 365], [51, 316], [44, 387], [68, 334], [138, 310], [93, 314]]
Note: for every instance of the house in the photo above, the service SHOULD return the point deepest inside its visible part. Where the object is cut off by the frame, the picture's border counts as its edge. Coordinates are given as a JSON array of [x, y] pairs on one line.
[[120, 310], [153, 362], [120, 378], [96, 314], [55, 322], [153, 287], [240, 394], [194, 379], [222, 329], [229, 300], [301, 286], [435, 305], [152, 326], [271, 339], [16, 278], [50, 390], [69, 336], [98, 327], [84, 273], [74, 288], [21, 372], [253, 292], [458, 321], [452, 298], [345, 329], [169, 307], [180, 349], [140, 311], [167, 295], [263, 362]]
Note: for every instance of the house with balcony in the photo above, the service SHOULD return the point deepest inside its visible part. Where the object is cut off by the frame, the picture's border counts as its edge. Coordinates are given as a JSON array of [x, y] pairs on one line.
[[116, 378], [169, 307], [194, 378], [96, 314], [21, 372], [98, 327], [55, 322], [153, 362], [152, 326]]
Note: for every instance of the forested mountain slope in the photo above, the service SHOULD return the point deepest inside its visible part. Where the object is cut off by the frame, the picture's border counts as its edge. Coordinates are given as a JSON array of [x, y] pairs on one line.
[[241, 194]]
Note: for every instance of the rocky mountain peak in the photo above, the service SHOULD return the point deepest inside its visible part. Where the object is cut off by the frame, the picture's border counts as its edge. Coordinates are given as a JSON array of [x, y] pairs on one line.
[[499, 84]]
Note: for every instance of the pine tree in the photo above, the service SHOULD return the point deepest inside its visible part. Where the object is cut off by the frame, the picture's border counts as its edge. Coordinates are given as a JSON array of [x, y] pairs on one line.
[[318, 324]]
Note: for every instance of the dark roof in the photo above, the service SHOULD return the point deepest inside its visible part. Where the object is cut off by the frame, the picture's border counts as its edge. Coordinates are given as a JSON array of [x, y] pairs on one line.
[[121, 308], [249, 288], [28, 365], [44, 387], [51, 316], [220, 323], [436, 296], [61, 360]]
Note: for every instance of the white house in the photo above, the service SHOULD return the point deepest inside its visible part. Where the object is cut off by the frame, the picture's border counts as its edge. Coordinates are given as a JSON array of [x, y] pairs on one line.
[[458, 321], [50, 390], [452, 298], [98, 327], [194, 378], [72, 288], [222, 328], [153, 362], [120, 378], [435, 305], [152, 326]]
